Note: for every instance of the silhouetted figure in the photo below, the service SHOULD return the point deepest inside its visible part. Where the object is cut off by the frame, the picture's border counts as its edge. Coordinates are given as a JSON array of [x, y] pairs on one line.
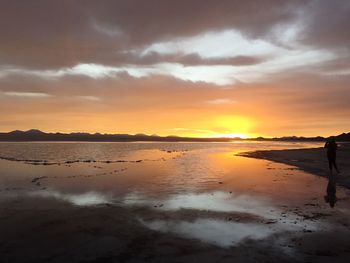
[[332, 147], [331, 197]]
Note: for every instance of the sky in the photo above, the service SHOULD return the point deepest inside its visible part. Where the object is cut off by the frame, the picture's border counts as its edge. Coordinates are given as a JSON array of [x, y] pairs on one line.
[[198, 68]]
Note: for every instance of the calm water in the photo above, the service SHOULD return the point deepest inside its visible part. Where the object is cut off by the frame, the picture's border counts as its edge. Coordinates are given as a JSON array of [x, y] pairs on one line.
[[202, 190]]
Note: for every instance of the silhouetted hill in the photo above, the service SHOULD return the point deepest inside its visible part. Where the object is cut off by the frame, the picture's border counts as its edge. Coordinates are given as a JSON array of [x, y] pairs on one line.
[[37, 135], [343, 137]]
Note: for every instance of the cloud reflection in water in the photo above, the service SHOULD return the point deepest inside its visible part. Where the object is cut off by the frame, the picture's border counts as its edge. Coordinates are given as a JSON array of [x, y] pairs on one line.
[[85, 199], [213, 201], [220, 231], [217, 232], [213, 230]]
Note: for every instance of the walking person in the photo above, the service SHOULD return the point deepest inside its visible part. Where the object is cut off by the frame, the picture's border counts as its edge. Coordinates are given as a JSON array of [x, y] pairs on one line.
[[332, 147]]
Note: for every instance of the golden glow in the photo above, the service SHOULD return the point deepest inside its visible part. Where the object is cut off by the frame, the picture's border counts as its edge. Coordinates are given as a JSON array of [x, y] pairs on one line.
[[149, 111], [234, 124], [233, 135], [223, 126]]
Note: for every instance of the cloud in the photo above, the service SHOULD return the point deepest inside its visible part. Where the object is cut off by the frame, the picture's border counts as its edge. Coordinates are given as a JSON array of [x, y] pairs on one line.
[[105, 38], [220, 101], [217, 44], [215, 73], [62, 34], [89, 98], [326, 24], [26, 94], [134, 57]]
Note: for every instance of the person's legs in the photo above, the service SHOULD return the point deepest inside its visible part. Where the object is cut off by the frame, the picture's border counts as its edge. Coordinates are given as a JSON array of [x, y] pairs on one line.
[[335, 165], [330, 164]]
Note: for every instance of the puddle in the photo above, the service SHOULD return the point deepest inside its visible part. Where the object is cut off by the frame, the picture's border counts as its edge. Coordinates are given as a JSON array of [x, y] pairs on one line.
[[216, 232], [86, 199], [213, 201]]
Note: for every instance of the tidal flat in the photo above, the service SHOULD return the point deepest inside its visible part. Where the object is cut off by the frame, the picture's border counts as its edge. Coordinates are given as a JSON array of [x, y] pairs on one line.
[[171, 202]]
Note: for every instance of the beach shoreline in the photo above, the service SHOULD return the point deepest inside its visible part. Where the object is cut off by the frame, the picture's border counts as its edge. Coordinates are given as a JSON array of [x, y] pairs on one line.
[[310, 160]]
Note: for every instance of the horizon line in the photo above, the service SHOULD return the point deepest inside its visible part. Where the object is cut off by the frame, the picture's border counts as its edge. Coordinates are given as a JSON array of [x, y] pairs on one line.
[[164, 136]]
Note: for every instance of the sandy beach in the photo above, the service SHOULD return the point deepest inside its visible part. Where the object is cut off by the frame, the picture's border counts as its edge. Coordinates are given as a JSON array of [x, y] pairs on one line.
[[167, 203], [312, 160]]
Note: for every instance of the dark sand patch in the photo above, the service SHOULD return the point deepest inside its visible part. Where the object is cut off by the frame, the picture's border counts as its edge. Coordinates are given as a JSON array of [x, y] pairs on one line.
[[33, 231], [309, 160], [37, 230]]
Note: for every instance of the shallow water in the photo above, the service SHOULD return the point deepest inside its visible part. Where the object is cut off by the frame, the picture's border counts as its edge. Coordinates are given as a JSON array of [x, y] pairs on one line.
[[197, 191]]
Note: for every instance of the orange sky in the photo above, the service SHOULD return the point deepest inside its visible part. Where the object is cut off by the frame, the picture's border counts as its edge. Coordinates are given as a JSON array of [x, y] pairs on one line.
[[195, 68]]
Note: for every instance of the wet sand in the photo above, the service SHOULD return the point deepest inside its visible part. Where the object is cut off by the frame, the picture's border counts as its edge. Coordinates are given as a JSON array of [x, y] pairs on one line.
[[33, 231], [310, 160], [177, 204]]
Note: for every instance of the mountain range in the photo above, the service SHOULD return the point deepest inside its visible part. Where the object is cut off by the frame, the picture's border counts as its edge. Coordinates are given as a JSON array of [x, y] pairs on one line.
[[37, 135]]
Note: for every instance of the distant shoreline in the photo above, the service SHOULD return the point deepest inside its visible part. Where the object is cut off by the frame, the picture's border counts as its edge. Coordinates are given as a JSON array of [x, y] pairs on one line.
[[223, 140], [39, 136]]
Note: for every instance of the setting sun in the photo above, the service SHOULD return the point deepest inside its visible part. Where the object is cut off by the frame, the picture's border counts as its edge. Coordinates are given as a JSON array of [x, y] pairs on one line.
[[227, 126]]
